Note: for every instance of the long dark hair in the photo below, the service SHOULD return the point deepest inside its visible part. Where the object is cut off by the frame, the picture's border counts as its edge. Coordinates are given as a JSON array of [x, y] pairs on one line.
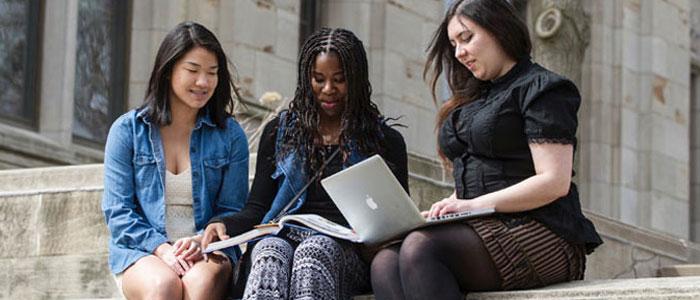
[[183, 38], [360, 120], [500, 19]]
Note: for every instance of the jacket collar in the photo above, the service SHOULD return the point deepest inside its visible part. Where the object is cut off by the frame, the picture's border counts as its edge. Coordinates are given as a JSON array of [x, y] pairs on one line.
[[203, 118]]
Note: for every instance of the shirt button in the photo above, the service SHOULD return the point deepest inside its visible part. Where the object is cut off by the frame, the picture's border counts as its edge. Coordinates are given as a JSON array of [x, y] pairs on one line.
[[194, 150]]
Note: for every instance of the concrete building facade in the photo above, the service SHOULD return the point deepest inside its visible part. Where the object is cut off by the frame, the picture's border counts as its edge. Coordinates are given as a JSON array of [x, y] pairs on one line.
[[635, 61]]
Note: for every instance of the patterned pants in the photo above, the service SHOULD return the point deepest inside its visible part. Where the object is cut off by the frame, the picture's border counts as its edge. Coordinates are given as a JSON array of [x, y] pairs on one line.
[[317, 267]]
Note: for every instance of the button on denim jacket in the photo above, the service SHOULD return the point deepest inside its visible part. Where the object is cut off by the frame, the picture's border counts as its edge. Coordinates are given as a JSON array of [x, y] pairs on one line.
[[291, 171], [134, 175]]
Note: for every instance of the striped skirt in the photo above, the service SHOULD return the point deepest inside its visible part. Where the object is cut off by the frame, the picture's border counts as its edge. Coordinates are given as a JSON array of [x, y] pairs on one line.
[[527, 254]]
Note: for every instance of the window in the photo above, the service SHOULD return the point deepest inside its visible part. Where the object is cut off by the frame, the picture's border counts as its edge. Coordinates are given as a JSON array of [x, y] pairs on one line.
[[694, 151], [19, 32], [308, 20], [100, 72]]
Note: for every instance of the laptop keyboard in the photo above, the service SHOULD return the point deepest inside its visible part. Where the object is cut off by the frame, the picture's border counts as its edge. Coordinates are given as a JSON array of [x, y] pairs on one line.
[[449, 216]]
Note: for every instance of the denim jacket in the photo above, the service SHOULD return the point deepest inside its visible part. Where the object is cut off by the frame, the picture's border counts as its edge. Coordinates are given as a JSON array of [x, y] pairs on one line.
[[292, 171], [133, 202]]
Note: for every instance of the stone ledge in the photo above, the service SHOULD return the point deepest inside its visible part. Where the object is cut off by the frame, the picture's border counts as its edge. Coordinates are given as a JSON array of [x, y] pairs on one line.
[[66, 178], [680, 270], [642, 288], [670, 246], [57, 277]]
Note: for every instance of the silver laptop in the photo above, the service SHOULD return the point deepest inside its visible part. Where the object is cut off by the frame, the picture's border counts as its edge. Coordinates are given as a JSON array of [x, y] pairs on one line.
[[376, 205]]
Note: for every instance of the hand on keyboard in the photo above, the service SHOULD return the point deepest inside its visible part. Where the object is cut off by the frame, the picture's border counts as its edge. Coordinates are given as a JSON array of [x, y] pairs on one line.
[[450, 216]]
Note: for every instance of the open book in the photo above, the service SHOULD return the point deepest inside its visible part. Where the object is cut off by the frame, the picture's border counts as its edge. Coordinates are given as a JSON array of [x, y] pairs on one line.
[[314, 222]]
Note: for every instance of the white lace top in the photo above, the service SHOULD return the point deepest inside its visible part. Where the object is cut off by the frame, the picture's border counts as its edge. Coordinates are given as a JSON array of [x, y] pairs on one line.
[[179, 215]]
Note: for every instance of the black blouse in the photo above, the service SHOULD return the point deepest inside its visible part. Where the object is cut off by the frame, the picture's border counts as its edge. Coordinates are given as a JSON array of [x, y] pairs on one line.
[[264, 189], [487, 142]]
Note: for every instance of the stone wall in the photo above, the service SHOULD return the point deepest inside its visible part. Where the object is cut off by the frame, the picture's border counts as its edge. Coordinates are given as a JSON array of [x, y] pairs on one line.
[[260, 37], [634, 118], [396, 34]]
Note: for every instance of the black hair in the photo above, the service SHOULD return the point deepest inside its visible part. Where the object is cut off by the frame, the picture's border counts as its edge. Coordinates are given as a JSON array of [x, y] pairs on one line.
[[500, 19], [360, 120], [183, 38]]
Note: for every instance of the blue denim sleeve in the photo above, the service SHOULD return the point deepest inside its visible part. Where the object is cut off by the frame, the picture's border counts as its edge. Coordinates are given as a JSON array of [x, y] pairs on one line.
[[234, 189], [234, 185], [127, 226]]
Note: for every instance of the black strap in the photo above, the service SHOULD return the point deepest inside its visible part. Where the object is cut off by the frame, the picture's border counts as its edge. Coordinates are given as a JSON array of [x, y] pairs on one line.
[[284, 210]]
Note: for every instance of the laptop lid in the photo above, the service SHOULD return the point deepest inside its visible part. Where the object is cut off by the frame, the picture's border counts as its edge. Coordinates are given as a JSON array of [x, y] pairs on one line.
[[372, 200]]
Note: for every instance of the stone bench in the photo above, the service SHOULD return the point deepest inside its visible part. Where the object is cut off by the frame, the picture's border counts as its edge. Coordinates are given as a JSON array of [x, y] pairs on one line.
[[55, 246], [640, 288]]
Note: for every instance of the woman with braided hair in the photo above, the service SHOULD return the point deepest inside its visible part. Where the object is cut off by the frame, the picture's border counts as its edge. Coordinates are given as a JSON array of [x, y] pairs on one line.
[[331, 124]]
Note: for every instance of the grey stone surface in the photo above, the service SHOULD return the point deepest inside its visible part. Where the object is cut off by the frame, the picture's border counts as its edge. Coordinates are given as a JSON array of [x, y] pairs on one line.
[[644, 288], [69, 217], [65, 228], [19, 219], [51, 178], [635, 165], [57, 277], [680, 270], [628, 289]]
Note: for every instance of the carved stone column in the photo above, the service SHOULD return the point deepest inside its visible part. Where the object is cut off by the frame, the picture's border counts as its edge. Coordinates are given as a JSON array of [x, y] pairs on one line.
[[560, 31]]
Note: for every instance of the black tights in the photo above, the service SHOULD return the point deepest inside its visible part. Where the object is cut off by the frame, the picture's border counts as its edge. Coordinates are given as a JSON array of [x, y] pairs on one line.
[[439, 262]]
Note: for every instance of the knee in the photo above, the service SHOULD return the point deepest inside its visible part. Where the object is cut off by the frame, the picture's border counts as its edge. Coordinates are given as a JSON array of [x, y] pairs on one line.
[[272, 247], [207, 275], [318, 247], [164, 286], [384, 261], [385, 265], [418, 247]]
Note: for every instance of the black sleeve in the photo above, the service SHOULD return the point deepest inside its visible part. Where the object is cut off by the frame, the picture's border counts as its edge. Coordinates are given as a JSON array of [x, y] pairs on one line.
[[394, 153], [264, 187], [550, 113]]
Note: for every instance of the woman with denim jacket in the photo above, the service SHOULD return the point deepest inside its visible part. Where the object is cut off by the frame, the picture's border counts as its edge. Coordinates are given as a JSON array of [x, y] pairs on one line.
[[172, 165], [331, 111]]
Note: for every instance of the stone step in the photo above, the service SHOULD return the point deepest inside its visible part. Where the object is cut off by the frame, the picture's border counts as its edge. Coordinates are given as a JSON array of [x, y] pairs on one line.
[[680, 270], [640, 288], [52, 218], [65, 178], [627, 289], [38, 180]]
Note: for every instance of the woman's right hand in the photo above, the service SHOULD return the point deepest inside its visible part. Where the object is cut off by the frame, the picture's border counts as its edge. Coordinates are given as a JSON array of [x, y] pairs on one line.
[[427, 213], [166, 253], [214, 232]]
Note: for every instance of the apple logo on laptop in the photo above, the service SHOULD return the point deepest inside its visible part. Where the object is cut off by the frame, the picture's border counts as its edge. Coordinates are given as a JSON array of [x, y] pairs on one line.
[[370, 202]]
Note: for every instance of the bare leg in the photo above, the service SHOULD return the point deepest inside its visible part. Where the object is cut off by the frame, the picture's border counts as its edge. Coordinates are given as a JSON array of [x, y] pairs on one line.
[[151, 278], [208, 280]]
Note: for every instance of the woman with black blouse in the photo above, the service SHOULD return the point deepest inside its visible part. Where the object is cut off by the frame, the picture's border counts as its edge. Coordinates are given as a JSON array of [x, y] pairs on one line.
[[331, 124], [508, 132]]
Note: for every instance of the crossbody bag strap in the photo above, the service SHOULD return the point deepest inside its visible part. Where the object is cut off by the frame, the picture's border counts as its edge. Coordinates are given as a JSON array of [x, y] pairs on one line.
[[283, 212]]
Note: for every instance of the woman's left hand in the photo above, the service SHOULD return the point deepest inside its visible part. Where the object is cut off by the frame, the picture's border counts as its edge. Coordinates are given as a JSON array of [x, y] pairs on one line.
[[449, 205], [188, 248]]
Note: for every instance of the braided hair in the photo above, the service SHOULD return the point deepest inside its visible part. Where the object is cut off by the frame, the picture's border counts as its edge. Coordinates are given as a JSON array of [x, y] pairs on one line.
[[360, 120]]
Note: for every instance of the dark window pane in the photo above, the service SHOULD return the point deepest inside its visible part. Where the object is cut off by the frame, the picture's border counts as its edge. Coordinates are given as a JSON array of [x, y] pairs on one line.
[[97, 58], [308, 20], [14, 15]]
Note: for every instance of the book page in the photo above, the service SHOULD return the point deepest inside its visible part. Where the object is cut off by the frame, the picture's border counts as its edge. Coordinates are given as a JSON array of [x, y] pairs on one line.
[[323, 225], [243, 238]]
